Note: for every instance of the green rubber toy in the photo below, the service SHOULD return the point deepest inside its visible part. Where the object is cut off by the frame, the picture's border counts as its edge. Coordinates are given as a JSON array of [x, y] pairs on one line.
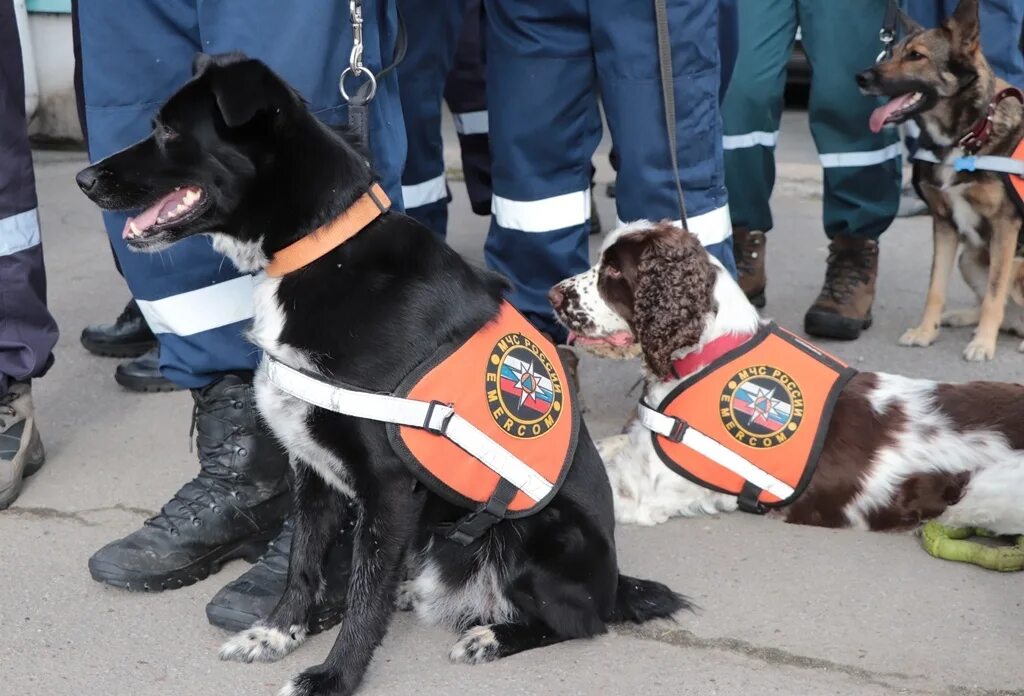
[[952, 544]]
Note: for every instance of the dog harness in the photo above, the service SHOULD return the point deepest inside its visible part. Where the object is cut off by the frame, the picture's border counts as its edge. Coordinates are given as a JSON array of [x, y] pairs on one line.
[[488, 424], [751, 422], [1010, 168]]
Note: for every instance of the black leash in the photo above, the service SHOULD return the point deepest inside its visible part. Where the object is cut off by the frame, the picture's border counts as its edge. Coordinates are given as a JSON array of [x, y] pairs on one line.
[[669, 97], [359, 102]]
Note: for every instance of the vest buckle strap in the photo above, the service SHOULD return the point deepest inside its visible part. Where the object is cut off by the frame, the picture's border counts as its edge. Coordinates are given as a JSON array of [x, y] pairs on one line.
[[471, 527], [679, 428], [749, 499], [438, 416]]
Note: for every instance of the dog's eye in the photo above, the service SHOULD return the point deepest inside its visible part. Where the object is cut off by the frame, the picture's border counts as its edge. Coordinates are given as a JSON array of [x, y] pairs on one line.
[[914, 55], [612, 272]]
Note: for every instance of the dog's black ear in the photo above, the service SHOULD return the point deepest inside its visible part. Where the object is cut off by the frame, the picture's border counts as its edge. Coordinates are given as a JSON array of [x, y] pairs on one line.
[[243, 90], [966, 25], [200, 63], [674, 295]]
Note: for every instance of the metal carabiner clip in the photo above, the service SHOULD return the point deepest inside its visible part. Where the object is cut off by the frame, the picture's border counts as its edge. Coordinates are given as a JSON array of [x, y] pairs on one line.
[[355, 58], [886, 37]]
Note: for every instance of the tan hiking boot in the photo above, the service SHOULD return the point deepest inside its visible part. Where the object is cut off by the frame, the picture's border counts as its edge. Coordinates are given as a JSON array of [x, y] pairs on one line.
[[843, 308], [749, 249], [21, 450]]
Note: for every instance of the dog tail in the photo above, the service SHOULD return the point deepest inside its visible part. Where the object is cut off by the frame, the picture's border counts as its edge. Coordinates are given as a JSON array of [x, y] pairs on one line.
[[642, 600]]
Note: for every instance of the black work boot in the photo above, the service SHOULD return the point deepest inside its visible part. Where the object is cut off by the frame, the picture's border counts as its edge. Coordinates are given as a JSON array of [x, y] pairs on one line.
[[143, 374], [256, 592], [232, 509], [127, 337]]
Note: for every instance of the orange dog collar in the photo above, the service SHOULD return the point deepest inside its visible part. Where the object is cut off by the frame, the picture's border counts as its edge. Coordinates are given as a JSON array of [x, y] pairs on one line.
[[356, 217]]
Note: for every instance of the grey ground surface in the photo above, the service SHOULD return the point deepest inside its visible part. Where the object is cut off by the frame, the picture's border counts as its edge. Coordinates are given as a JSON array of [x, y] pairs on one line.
[[784, 610]]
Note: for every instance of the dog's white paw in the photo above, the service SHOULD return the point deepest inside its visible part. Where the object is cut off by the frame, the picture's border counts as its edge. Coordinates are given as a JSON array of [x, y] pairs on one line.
[[962, 317], [407, 597], [262, 644], [979, 350], [477, 645], [919, 336]]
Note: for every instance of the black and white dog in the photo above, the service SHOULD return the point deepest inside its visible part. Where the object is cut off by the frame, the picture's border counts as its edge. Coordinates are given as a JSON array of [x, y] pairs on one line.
[[236, 154]]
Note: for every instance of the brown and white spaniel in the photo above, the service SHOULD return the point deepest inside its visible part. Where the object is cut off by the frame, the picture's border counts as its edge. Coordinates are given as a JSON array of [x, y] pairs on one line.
[[898, 451]]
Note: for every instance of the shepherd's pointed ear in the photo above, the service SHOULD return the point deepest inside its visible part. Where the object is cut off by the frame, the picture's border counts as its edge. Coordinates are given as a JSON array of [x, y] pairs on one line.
[[241, 91], [907, 23], [966, 26]]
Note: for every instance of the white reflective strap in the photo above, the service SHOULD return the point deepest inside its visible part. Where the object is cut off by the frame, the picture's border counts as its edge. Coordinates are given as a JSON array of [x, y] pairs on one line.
[[712, 227], [201, 310], [545, 215], [912, 129], [699, 442], [386, 408], [425, 192], [752, 139], [859, 159], [926, 156], [990, 163], [471, 123], [19, 232]]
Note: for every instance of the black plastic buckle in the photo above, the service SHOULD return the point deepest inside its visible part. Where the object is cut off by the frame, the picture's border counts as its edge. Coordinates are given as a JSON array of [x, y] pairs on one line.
[[471, 527], [679, 428], [747, 500], [443, 428]]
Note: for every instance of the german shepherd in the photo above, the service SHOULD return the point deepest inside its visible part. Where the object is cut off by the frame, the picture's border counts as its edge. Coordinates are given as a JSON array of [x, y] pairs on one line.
[[940, 79]]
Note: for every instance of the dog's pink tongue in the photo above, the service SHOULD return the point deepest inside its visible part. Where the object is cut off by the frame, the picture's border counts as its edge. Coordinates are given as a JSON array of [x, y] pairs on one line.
[[147, 218], [879, 115]]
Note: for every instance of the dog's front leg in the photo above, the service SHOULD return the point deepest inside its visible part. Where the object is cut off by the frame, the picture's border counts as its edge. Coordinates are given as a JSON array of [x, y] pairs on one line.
[[385, 529], [943, 257], [993, 305], [318, 516]]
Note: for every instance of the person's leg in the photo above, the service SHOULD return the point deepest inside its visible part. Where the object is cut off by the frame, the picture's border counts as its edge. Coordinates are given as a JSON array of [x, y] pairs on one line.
[[862, 169], [626, 49], [728, 44], [28, 331], [433, 35], [750, 115], [545, 126], [465, 92]]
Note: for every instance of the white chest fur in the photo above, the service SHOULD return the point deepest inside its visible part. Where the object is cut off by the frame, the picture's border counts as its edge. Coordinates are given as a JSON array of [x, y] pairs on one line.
[[965, 217], [287, 416]]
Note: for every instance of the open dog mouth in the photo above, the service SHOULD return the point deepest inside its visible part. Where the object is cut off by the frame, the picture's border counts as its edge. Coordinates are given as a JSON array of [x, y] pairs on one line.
[[178, 207], [898, 110]]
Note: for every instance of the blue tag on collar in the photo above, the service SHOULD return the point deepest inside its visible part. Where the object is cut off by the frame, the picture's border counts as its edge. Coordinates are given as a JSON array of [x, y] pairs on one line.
[[965, 164]]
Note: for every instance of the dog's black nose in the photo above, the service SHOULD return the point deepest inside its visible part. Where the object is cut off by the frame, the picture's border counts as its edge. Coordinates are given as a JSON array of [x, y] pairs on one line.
[[865, 78], [87, 179], [556, 297]]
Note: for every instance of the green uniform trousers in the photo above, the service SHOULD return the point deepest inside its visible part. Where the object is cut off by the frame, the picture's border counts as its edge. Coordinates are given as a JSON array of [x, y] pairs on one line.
[[861, 169]]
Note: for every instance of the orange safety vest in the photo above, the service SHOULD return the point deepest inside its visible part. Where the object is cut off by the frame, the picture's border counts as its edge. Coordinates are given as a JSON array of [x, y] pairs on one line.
[[1014, 183], [488, 424], [766, 403], [508, 381]]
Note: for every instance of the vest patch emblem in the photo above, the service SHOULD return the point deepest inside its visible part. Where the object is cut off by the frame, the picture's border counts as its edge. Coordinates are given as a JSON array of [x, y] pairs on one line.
[[761, 406], [524, 392]]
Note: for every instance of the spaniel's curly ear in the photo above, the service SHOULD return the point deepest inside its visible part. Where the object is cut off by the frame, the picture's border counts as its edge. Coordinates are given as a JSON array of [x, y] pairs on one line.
[[674, 295]]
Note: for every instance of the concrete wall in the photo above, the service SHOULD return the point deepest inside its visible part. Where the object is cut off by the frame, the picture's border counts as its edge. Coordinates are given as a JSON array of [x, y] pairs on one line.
[[56, 117]]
